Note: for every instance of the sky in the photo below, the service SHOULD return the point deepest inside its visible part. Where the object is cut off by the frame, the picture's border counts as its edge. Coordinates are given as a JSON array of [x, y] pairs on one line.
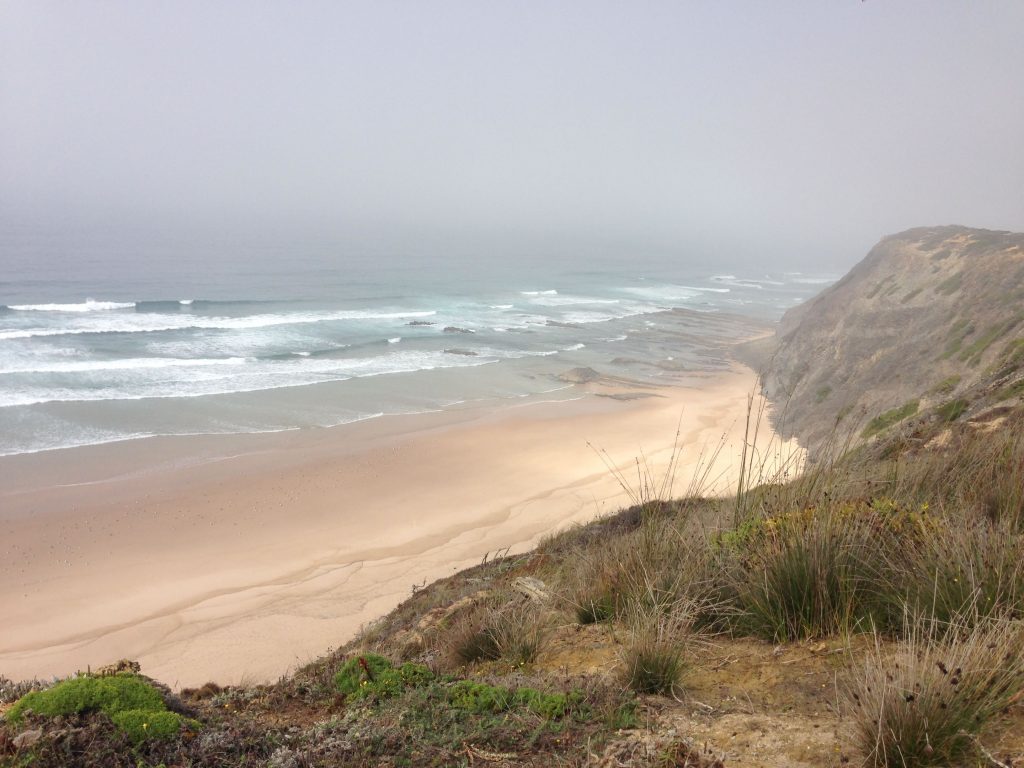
[[797, 131]]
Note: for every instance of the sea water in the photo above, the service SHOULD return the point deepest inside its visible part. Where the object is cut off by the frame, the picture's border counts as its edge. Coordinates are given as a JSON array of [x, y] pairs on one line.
[[102, 346]]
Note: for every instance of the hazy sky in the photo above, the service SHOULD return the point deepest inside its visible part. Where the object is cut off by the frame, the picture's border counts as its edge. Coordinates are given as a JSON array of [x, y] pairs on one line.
[[800, 130]]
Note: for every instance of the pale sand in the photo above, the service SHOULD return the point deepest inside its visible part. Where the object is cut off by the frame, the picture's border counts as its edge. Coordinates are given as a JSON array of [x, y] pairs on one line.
[[238, 558]]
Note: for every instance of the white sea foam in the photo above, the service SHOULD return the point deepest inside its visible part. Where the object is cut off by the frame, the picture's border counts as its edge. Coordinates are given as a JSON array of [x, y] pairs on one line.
[[203, 381], [815, 280], [551, 292], [568, 301], [154, 323], [671, 293], [573, 347], [394, 340], [126, 364], [185, 302], [502, 306], [89, 305]]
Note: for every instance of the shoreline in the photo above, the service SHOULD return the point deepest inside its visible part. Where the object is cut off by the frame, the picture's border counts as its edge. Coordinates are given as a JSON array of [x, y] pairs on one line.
[[240, 557]]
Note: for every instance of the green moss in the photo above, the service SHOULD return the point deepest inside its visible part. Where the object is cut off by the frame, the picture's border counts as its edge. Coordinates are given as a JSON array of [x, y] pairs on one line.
[[908, 296], [481, 698], [375, 675], [141, 724], [950, 285], [952, 410], [945, 253], [885, 420], [822, 393], [131, 702]]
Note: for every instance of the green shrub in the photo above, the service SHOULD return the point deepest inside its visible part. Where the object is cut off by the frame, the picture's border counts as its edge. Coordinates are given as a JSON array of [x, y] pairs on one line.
[[806, 574], [373, 675], [653, 656], [1010, 391], [470, 640], [131, 702], [925, 705]]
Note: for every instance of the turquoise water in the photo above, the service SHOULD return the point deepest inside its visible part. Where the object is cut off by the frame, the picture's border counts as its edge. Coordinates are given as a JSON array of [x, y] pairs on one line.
[[97, 347]]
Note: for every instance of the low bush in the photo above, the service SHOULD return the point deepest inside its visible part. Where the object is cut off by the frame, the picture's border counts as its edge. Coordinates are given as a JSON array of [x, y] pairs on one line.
[[131, 702], [520, 630], [805, 574], [373, 675], [952, 410]]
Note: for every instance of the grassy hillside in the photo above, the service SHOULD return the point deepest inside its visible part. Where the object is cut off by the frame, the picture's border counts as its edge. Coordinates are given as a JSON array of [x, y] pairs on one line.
[[867, 612], [932, 320]]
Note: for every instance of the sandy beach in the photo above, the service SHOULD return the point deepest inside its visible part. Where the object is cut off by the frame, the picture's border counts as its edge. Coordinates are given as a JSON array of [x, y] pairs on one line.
[[238, 558]]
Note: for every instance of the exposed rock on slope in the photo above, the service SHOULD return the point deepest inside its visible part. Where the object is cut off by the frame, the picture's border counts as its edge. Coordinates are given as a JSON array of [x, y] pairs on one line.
[[931, 320]]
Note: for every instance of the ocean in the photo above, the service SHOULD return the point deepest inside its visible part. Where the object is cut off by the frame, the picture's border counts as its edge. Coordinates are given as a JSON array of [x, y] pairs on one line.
[[97, 348]]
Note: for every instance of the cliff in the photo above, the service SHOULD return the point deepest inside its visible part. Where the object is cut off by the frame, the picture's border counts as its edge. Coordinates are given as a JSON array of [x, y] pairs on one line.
[[931, 321]]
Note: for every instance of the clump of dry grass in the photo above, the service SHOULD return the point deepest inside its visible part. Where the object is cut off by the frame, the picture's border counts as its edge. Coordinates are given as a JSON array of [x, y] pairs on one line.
[[469, 639], [804, 574], [521, 630], [925, 704], [653, 656], [507, 627], [964, 567]]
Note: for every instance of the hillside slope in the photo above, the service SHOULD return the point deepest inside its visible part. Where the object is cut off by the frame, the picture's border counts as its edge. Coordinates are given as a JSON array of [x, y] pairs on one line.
[[932, 318]]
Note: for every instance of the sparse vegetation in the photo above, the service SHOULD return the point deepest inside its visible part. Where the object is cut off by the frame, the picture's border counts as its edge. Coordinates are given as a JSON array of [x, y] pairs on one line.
[[952, 410], [889, 418], [910, 295], [946, 386], [951, 284]]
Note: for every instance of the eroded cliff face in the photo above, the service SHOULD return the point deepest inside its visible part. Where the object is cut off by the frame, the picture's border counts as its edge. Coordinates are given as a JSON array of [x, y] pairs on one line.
[[931, 321]]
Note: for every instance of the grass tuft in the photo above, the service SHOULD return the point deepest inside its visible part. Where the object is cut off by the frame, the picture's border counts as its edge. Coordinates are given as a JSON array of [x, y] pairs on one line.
[[925, 704]]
